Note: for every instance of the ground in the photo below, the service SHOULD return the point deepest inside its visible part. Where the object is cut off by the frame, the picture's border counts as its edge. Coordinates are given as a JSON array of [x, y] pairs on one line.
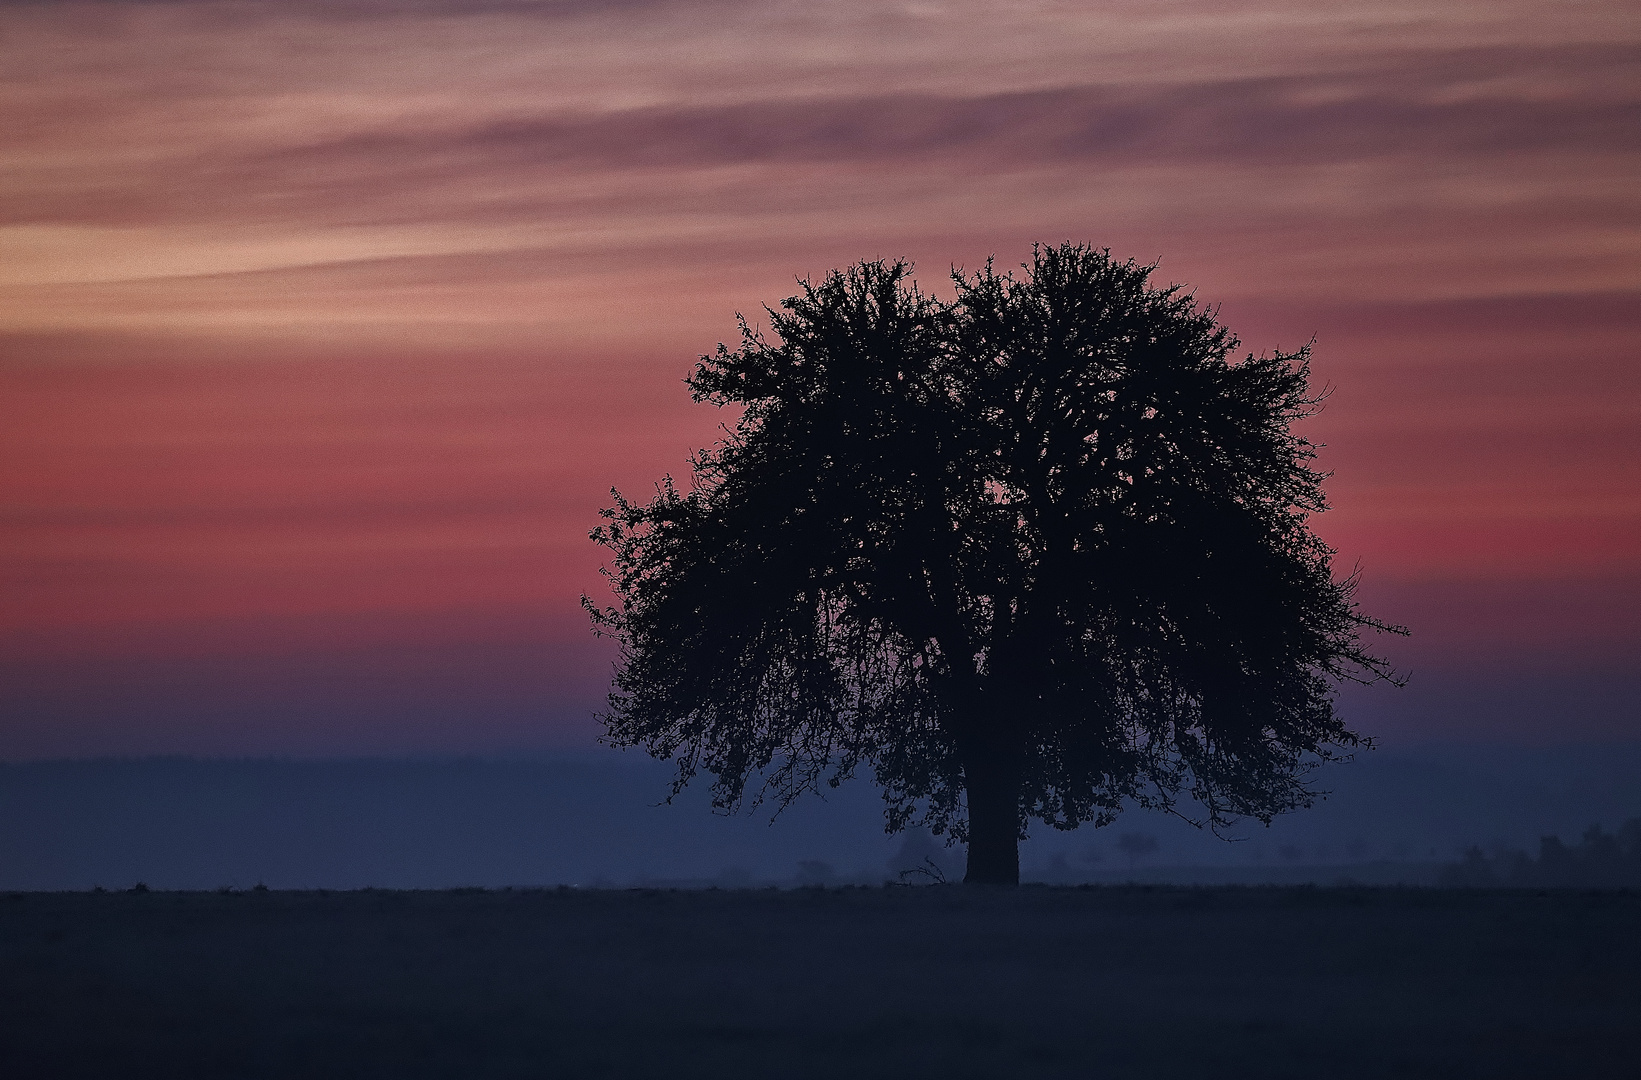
[[942, 981]]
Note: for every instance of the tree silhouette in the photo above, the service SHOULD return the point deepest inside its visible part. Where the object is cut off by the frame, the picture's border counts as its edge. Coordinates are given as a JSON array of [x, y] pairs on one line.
[[1035, 554], [1137, 845]]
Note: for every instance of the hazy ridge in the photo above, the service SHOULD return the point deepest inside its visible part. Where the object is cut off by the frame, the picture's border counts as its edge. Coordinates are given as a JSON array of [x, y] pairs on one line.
[[599, 819]]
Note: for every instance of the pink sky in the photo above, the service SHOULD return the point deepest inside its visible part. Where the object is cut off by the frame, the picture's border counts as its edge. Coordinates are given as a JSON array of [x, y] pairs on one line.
[[326, 328]]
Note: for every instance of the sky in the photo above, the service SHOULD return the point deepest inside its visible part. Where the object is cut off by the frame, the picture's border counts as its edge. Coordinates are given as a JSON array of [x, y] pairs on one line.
[[326, 328]]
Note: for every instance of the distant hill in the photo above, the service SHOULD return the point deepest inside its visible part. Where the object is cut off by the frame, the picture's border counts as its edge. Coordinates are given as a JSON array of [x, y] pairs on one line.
[[599, 819]]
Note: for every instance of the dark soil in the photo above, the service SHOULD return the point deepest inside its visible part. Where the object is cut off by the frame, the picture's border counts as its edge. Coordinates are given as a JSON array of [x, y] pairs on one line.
[[905, 982]]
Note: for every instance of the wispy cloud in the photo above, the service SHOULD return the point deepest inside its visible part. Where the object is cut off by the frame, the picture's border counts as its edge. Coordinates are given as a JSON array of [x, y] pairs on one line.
[[1475, 111], [313, 309]]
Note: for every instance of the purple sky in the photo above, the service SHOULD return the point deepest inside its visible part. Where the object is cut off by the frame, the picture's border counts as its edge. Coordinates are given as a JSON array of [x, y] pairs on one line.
[[326, 327]]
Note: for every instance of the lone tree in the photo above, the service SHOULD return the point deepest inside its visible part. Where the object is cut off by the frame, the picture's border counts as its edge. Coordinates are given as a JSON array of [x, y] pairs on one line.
[[1038, 553]]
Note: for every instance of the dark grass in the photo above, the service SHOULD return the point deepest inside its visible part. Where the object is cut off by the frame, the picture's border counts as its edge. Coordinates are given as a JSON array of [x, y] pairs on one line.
[[912, 982]]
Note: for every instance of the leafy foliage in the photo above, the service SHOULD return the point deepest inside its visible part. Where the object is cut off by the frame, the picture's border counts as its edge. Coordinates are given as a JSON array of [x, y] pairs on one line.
[[1052, 525]]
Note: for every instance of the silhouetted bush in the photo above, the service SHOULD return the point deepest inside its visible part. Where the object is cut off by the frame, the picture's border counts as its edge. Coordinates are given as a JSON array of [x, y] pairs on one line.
[[1601, 860]]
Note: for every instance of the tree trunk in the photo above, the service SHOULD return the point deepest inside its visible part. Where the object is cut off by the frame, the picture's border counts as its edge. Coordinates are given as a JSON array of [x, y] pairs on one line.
[[993, 789]]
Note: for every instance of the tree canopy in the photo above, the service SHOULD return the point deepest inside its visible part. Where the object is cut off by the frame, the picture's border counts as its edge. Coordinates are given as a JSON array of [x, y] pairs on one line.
[[1038, 553]]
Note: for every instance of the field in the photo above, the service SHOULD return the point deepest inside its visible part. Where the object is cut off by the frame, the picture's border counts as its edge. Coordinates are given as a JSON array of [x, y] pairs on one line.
[[897, 982]]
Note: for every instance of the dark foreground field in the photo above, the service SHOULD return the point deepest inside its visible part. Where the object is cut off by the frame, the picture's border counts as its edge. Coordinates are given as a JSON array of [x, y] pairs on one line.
[[945, 981]]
